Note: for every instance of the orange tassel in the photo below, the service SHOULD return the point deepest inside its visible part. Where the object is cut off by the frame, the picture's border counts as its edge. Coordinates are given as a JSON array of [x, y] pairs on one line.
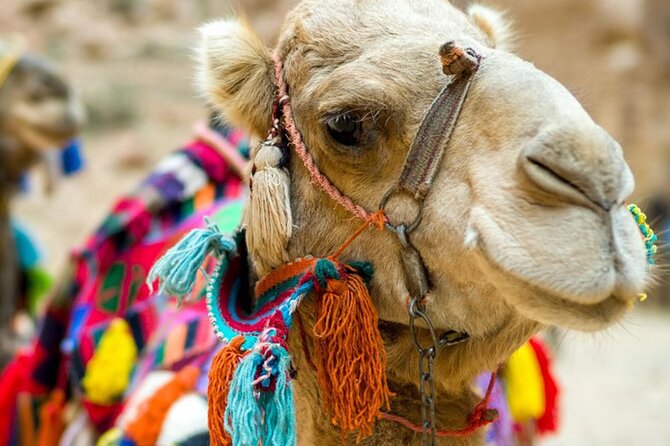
[[146, 427], [51, 420], [350, 355], [221, 373]]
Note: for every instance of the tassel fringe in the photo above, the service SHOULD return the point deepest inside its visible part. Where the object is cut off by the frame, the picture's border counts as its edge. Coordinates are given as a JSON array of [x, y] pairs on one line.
[[220, 376], [260, 403], [279, 425], [269, 220], [349, 351], [177, 270]]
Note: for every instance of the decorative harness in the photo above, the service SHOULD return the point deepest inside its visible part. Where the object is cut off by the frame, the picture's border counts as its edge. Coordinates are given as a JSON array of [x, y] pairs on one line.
[[415, 181]]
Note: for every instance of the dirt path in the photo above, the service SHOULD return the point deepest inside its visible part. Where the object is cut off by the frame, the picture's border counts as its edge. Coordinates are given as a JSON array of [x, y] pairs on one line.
[[616, 385]]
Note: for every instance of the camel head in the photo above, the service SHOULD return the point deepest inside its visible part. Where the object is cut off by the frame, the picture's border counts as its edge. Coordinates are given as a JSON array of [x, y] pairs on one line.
[[39, 111], [526, 221]]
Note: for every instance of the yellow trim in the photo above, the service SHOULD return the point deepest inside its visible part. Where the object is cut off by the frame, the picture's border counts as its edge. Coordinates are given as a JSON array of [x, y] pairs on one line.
[[7, 64]]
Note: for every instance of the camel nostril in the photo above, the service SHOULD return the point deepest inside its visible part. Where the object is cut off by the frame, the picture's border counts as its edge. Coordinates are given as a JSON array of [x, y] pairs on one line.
[[557, 181], [582, 165], [552, 173]]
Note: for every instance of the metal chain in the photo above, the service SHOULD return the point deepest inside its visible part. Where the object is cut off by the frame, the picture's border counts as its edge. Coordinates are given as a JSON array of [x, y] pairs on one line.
[[426, 378], [426, 362]]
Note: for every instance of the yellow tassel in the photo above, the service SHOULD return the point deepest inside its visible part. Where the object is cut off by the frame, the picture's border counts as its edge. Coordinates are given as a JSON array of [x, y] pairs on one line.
[[108, 372], [268, 217], [524, 385]]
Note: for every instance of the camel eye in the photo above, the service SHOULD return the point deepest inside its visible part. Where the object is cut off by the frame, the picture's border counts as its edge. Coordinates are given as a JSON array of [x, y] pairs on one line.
[[36, 97], [346, 129]]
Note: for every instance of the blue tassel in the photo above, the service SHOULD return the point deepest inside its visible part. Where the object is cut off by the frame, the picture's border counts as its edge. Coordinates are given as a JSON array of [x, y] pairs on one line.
[[268, 419], [279, 426], [177, 270], [242, 419], [71, 158]]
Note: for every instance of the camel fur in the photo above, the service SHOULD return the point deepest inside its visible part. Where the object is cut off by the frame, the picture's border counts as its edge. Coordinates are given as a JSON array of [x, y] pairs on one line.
[[525, 225]]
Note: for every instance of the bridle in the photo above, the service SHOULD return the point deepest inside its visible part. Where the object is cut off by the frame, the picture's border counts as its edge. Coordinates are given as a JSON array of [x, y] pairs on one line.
[[415, 182]]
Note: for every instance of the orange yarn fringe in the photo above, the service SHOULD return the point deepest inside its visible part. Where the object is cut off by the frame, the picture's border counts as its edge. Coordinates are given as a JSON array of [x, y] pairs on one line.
[[350, 356], [146, 427], [221, 374], [51, 420]]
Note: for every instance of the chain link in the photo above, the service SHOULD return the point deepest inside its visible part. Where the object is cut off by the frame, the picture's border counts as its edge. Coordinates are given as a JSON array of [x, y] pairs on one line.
[[417, 311], [426, 378]]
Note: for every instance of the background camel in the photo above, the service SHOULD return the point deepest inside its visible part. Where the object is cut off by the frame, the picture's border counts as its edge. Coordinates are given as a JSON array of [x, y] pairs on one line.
[[38, 112], [526, 170]]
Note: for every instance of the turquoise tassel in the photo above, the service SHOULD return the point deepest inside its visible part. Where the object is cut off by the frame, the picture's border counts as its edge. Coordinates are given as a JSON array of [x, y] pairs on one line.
[[242, 419], [177, 270], [279, 426], [269, 418]]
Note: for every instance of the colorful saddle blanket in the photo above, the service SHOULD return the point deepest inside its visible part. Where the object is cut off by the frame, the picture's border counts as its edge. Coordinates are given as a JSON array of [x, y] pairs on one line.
[[105, 283]]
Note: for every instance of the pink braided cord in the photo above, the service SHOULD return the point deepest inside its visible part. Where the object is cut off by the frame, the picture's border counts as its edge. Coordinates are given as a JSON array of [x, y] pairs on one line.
[[315, 174]]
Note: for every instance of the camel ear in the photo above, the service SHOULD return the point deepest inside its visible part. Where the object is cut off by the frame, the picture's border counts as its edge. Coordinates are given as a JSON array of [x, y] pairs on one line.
[[494, 25], [236, 74]]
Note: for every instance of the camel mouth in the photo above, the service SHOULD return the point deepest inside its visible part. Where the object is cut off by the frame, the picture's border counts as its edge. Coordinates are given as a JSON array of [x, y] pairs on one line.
[[46, 136], [551, 307], [605, 291]]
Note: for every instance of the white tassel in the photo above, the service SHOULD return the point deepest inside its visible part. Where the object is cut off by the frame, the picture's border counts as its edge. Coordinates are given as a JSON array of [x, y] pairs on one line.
[[268, 212]]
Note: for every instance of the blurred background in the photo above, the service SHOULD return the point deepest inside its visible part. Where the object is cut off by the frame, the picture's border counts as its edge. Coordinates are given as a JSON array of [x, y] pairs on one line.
[[131, 62]]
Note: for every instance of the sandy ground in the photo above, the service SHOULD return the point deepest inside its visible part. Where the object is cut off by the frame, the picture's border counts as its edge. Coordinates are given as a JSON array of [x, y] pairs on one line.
[[616, 384]]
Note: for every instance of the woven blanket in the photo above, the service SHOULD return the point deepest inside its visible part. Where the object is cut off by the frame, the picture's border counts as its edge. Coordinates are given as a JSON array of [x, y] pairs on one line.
[[106, 279]]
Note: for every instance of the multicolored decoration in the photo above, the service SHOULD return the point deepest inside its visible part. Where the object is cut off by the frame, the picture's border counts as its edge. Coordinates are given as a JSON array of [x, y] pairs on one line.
[[531, 389], [106, 284], [250, 392], [648, 235]]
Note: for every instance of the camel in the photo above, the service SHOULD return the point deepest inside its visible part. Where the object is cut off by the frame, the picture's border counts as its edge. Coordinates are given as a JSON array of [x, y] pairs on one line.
[[39, 111], [525, 225]]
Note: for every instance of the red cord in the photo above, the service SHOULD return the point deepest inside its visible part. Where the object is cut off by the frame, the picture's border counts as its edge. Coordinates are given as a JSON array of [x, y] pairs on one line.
[[296, 139], [480, 417]]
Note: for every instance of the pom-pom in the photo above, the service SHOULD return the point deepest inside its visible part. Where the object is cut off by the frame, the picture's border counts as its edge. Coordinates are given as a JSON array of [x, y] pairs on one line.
[[146, 428], [108, 371], [524, 386], [548, 422]]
